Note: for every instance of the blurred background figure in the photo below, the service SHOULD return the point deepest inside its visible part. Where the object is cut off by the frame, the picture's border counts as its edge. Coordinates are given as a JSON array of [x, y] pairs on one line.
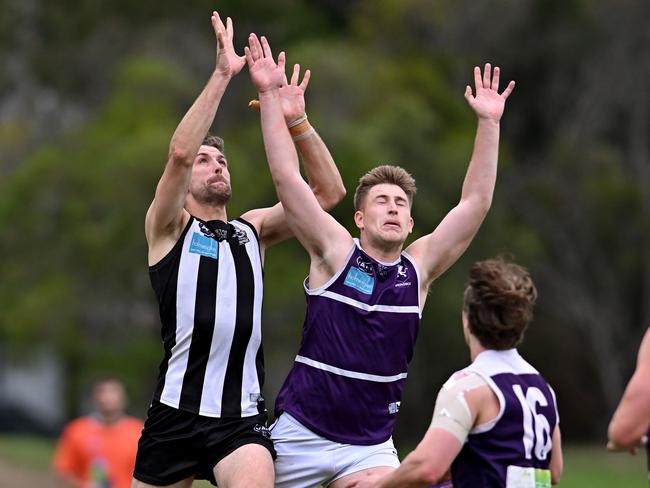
[[630, 423], [98, 450]]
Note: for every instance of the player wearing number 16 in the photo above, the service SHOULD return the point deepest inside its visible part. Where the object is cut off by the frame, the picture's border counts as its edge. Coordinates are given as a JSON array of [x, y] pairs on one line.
[[495, 423]]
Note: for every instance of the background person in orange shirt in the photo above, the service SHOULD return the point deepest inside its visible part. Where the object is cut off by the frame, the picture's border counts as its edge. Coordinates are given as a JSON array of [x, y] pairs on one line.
[[98, 450]]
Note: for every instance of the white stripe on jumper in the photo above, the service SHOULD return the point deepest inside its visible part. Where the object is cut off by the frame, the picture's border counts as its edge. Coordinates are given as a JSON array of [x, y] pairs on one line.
[[349, 374], [372, 308]]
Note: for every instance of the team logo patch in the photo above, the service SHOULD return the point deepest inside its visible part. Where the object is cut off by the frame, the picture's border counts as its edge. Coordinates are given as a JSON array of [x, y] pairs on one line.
[[261, 429], [256, 397], [393, 407], [402, 276], [360, 281], [219, 234], [205, 246], [241, 237], [365, 265]]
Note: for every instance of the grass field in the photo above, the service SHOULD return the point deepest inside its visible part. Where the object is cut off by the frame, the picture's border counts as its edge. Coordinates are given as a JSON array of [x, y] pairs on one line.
[[584, 466]]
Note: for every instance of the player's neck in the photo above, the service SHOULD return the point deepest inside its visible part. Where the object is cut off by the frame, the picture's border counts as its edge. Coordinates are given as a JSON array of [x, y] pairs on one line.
[[206, 212], [108, 418], [382, 252], [475, 348]]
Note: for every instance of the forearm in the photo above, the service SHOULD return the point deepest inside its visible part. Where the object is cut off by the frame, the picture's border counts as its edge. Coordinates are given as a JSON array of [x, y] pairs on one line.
[[631, 419], [280, 151], [482, 172], [197, 121], [412, 473], [322, 173]]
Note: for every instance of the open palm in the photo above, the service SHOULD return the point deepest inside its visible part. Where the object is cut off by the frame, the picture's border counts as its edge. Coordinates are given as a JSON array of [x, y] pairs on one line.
[[488, 103], [293, 94], [228, 61], [265, 73]]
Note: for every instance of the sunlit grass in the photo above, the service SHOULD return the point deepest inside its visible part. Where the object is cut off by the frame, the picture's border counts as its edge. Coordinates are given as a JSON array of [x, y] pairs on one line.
[[594, 467], [584, 466], [27, 452]]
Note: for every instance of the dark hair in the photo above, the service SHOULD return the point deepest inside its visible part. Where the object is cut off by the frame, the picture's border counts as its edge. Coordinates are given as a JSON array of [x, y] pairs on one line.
[[393, 175], [214, 141], [498, 303]]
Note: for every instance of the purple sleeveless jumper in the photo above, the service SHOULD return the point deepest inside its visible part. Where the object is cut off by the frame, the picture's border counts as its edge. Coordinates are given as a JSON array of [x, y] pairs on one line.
[[357, 341], [521, 435]]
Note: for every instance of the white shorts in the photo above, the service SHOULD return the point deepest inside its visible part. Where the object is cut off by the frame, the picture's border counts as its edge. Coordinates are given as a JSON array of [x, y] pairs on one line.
[[307, 460]]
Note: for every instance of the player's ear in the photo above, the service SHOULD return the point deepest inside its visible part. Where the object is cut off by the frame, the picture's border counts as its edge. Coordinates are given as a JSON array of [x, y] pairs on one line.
[[358, 219]]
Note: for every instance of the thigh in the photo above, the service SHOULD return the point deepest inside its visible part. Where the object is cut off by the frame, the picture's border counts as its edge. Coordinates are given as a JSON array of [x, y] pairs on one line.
[[370, 473], [186, 483], [359, 462], [249, 466], [225, 437], [169, 448], [304, 459]]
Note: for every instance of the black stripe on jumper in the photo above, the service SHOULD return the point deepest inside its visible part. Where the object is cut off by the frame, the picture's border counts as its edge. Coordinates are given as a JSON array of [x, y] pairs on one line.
[[204, 317], [232, 383]]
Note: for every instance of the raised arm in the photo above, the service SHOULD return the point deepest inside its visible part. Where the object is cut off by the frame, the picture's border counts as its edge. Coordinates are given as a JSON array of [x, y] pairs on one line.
[[631, 420], [318, 232], [322, 174], [435, 252], [166, 217]]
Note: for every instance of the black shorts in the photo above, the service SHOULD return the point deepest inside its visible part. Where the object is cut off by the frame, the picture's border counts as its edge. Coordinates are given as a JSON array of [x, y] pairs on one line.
[[176, 444]]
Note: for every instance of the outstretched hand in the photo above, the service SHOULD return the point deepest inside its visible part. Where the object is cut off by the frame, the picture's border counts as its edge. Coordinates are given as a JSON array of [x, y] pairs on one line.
[[228, 61], [487, 103], [293, 94], [266, 75]]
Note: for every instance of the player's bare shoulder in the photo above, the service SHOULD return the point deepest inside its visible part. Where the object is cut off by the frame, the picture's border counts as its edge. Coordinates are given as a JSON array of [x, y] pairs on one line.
[[162, 239]]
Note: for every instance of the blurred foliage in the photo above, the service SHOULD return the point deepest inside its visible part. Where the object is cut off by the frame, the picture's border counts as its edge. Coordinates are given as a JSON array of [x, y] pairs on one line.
[[93, 90]]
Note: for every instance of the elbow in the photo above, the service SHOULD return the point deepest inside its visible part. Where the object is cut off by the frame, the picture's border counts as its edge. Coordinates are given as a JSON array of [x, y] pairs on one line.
[[483, 204], [180, 155], [329, 199], [622, 438], [430, 470], [432, 474], [479, 205]]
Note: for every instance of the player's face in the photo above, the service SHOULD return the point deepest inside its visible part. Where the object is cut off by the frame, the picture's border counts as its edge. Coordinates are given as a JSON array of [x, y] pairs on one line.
[[210, 177], [386, 214], [110, 398]]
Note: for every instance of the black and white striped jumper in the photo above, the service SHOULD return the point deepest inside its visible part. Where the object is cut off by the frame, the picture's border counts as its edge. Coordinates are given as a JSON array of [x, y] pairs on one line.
[[209, 289]]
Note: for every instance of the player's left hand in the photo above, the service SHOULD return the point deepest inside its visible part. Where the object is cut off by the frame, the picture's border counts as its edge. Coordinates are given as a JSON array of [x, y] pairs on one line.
[[488, 103], [265, 73], [293, 94]]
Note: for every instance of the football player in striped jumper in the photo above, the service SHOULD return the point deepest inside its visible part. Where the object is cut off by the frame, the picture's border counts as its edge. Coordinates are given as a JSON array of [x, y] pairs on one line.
[[495, 423], [207, 418], [365, 296], [629, 428]]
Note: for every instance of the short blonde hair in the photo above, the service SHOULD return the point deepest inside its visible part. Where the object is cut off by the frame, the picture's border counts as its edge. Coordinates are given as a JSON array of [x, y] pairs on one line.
[[393, 175]]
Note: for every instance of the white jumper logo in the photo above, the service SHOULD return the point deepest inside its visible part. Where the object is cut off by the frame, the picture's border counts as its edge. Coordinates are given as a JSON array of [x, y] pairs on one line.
[[402, 276], [393, 407]]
